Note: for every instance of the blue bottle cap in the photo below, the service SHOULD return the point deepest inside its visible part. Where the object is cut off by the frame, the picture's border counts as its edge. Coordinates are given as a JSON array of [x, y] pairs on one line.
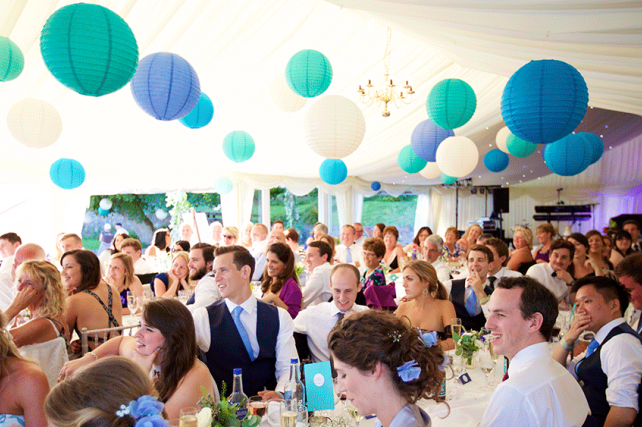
[[237, 371], [294, 360]]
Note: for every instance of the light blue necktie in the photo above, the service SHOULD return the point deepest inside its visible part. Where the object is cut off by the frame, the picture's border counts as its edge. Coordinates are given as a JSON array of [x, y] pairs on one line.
[[471, 304], [591, 347], [348, 255], [236, 315]]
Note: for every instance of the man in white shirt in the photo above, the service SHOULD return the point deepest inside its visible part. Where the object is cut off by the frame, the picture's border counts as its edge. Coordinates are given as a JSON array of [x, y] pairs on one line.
[[610, 370], [348, 251], [70, 242], [629, 273], [554, 274], [359, 237], [240, 331], [133, 248], [278, 225], [317, 287], [201, 258], [261, 258], [432, 248], [500, 256], [26, 252], [537, 391], [633, 227], [317, 321], [9, 242], [216, 233]]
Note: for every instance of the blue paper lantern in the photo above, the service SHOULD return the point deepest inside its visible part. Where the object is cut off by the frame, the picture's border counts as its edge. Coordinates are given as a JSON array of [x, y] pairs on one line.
[[67, 173], [496, 160], [165, 86], [409, 161], [426, 138], [308, 73], [223, 185], [238, 146], [375, 186], [89, 49], [519, 148], [595, 143], [451, 103], [333, 171], [201, 115], [448, 180], [569, 156], [544, 101], [103, 212], [12, 61]]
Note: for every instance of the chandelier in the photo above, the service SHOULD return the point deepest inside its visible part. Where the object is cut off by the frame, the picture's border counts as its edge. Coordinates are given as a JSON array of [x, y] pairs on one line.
[[386, 93]]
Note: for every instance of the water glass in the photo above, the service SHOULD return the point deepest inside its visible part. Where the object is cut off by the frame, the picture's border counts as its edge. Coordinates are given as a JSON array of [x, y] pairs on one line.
[[273, 412], [455, 327]]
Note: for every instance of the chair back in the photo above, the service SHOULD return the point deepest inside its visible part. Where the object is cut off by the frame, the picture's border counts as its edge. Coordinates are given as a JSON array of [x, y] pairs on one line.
[[102, 335], [146, 278]]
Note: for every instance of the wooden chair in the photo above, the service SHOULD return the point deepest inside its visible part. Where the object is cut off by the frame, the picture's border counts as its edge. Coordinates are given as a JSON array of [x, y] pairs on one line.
[[102, 335]]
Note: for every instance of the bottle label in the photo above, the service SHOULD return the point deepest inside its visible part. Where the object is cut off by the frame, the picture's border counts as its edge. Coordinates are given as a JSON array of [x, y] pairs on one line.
[[288, 394], [241, 413], [442, 390]]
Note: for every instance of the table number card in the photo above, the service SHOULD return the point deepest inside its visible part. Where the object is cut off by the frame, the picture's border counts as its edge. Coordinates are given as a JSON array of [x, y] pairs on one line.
[[318, 385], [464, 378]]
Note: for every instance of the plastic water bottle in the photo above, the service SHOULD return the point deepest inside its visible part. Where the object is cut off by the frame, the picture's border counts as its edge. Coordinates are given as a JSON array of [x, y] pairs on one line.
[[238, 396], [294, 388]]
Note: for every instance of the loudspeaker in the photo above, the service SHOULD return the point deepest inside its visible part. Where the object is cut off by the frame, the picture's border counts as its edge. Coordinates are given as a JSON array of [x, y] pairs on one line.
[[500, 200]]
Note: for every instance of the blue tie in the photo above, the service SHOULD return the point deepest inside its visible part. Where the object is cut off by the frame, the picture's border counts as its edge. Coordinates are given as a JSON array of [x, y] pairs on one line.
[[591, 347], [471, 304], [348, 255], [236, 315]]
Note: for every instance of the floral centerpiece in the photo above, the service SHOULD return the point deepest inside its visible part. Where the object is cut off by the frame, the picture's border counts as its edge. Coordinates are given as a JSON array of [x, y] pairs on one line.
[[299, 267], [467, 344], [414, 253], [222, 414]]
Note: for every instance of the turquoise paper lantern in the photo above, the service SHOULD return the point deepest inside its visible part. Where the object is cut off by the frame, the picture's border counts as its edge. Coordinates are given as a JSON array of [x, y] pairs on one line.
[[223, 185], [103, 212], [333, 171], [569, 156], [308, 73], [409, 161], [518, 147], [496, 160], [67, 173], [375, 186], [594, 142], [12, 61], [238, 146], [448, 180], [426, 137], [89, 49], [201, 115], [544, 101], [451, 103]]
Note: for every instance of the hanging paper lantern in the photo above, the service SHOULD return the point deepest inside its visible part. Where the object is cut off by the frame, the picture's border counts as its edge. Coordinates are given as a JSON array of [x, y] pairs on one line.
[[308, 73], [165, 86], [11, 60], [544, 101], [238, 146], [409, 161], [451, 103], [500, 139], [201, 115], [284, 98], [334, 126], [103, 212], [34, 123], [594, 142], [457, 156], [89, 49], [333, 171], [519, 148], [448, 180], [223, 185], [67, 173], [375, 186], [569, 156], [431, 171], [105, 204], [426, 138], [496, 160], [160, 214]]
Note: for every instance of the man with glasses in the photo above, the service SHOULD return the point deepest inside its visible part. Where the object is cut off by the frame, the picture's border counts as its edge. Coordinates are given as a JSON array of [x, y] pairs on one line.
[[432, 249]]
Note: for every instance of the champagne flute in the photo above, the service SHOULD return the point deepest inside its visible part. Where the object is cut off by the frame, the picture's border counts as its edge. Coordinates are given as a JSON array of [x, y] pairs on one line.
[[487, 365], [188, 417], [455, 328], [183, 296], [132, 304], [354, 413], [289, 412]]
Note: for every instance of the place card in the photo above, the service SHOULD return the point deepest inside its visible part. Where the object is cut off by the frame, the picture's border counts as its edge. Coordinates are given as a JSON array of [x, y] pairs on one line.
[[464, 378], [318, 385]]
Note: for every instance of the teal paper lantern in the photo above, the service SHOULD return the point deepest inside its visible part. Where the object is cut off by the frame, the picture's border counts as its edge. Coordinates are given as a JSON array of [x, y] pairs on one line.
[[595, 143], [201, 115], [448, 180], [238, 146], [569, 156], [409, 161], [333, 171], [12, 61], [89, 49], [103, 212], [518, 147], [496, 160], [67, 173], [223, 185], [451, 103], [308, 73]]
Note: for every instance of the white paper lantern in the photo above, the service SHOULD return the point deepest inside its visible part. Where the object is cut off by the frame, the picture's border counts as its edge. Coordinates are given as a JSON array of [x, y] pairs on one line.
[[500, 139], [105, 204], [431, 171], [284, 98], [161, 214], [34, 122], [457, 156], [334, 126]]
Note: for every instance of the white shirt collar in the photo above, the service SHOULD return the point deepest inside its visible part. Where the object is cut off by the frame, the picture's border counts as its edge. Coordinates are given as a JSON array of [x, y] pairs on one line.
[[604, 330], [521, 359], [334, 309], [248, 305]]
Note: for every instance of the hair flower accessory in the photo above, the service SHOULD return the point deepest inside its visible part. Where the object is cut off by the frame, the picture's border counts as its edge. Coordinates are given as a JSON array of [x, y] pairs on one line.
[[409, 371], [395, 335], [146, 410], [429, 338], [445, 363]]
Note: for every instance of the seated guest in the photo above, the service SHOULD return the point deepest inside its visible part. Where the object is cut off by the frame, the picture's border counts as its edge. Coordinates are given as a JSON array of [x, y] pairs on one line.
[[24, 385], [164, 347], [537, 391], [317, 287], [332, 243], [481, 240], [120, 275], [9, 242], [161, 243], [292, 240], [181, 246], [280, 285], [98, 396], [201, 259], [133, 248], [377, 230], [469, 237], [633, 228], [385, 367], [70, 241], [545, 234], [230, 236], [394, 253], [629, 274], [275, 236], [520, 258], [452, 250], [278, 225], [427, 306], [185, 232], [622, 247], [8, 291], [92, 303], [317, 321], [113, 249], [554, 275], [608, 246], [497, 268], [239, 331], [432, 249], [348, 251], [583, 265], [216, 233], [373, 251], [417, 243], [246, 234], [611, 368], [261, 239], [596, 250], [167, 285], [319, 230], [359, 237]]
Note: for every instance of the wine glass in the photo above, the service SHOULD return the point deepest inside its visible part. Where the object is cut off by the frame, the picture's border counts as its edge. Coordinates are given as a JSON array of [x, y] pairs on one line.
[[188, 417], [132, 304], [354, 413], [487, 365], [289, 409], [273, 412], [183, 296]]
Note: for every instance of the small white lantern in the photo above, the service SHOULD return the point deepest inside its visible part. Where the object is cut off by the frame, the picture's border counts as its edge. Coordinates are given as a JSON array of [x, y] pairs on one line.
[[431, 171], [105, 204], [284, 98], [34, 123], [457, 156], [500, 139]]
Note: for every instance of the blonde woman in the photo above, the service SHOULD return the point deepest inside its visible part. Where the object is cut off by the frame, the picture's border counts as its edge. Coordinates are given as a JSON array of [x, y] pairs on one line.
[[230, 236], [523, 243], [167, 285], [120, 275], [470, 237]]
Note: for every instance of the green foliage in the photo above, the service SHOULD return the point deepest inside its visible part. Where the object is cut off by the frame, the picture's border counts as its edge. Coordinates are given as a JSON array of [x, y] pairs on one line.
[[179, 205], [134, 206], [224, 414], [466, 345]]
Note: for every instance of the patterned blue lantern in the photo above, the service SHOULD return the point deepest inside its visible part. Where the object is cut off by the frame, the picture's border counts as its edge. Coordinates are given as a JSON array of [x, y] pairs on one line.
[[67, 173], [496, 160], [201, 115], [333, 171], [308, 73], [426, 138], [569, 156]]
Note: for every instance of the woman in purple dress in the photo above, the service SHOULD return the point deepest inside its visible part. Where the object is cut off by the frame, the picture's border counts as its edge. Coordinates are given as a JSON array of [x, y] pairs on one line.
[[280, 283]]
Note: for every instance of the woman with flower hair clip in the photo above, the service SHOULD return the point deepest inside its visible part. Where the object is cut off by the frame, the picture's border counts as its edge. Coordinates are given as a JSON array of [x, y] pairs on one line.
[[384, 367]]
